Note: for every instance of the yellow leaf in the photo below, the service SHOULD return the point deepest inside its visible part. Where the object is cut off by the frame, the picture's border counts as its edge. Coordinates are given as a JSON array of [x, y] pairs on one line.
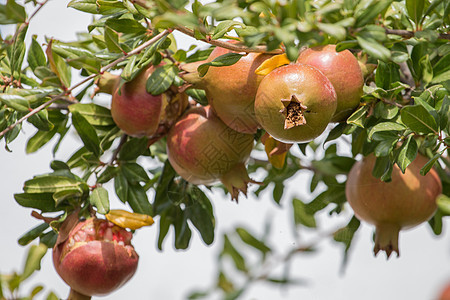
[[126, 219], [272, 63], [277, 160]]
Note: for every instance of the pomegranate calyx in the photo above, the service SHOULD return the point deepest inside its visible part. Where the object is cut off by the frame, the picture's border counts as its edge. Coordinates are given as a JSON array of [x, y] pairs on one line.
[[386, 239], [237, 180], [293, 112]]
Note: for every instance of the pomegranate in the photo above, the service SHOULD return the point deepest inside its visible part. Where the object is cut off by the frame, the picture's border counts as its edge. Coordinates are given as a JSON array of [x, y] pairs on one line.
[[295, 103], [445, 293], [139, 113], [406, 201], [96, 258], [343, 70], [231, 90], [203, 150]]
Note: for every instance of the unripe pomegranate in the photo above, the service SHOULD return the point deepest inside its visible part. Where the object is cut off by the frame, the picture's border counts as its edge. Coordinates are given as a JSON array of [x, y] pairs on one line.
[[295, 103], [231, 90], [139, 113], [343, 70], [406, 201], [96, 258], [203, 150]]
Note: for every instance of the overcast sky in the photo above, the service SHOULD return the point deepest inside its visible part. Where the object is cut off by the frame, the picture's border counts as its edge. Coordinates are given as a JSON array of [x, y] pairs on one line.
[[420, 272]]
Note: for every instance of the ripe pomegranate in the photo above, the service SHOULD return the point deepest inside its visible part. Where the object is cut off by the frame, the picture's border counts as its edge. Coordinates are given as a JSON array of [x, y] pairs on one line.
[[406, 201], [445, 293], [203, 150], [139, 113], [295, 103], [343, 70], [231, 90], [96, 258]]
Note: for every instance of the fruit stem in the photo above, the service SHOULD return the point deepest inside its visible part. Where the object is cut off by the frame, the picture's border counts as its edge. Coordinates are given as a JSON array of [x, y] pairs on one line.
[[74, 295]]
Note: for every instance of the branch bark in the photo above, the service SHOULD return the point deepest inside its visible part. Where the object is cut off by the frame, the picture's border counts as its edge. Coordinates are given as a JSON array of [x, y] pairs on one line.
[[409, 34]]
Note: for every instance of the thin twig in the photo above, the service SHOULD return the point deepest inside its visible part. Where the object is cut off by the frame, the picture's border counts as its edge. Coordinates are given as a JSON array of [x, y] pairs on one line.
[[123, 139], [409, 34], [233, 47], [102, 70]]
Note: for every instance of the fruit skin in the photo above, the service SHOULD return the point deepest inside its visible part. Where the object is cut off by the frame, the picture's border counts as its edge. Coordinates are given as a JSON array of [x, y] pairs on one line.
[[231, 90], [445, 293], [134, 110], [91, 265], [310, 87], [406, 201], [343, 70], [203, 150]]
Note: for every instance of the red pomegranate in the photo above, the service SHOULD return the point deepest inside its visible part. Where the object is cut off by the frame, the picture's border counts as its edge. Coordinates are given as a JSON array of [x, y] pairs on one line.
[[445, 293], [139, 113], [231, 90], [96, 258], [295, 103], [406, 201], [343, 70], [203, 150]]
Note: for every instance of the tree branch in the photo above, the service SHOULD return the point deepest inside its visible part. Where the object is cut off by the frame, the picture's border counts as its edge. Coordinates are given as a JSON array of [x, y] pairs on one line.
[[409, 34], [233, 47]]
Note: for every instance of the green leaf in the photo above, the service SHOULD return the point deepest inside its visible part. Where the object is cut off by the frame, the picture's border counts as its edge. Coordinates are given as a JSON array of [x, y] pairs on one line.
[[99, 198], [89, 6], [198, 95], [52, 296], [32, 234], [443, 203], [40, 121], [39, 139], [385, 126], [161, 79], [95, 114], [62, 195], [121, 187], [250, 240], [36, 56], [374, 48], [138, 200], [15, 11], [301, 215], [125, 25], [133, 148], [334, 30], [415, 10], [16, 102], [201, 215], [134, 172], [386, 74], [368, 14], [51, 184], [230, 250], [182, 231], [407, 154], [161, 197], [33, 261], [345, 235], [418, 119], [359, 116], [427, 167], [336, 132], [427, 69], [224, 27], [86, 132], [227, 59], [112, 40], [41, 201]]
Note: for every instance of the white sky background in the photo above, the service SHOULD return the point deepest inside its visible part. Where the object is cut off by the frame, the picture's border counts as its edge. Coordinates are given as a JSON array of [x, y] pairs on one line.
[[419, 274]]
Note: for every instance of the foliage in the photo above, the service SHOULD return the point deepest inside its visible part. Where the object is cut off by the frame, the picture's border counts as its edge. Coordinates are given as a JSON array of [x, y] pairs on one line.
[[404, 110]]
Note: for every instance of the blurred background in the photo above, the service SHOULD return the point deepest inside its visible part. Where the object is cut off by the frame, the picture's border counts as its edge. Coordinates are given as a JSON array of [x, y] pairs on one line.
[[420, 273]]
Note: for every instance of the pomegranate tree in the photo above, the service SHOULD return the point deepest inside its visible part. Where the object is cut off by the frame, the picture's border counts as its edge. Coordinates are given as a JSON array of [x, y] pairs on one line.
[[406, 201], [344, 72], [295, 103], [203, 150], [96, 258]]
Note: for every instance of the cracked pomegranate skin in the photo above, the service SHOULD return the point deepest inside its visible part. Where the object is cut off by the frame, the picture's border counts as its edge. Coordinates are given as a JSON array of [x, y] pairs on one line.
[[406, 201], [310, 87], [344, 72], [96, 267]]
